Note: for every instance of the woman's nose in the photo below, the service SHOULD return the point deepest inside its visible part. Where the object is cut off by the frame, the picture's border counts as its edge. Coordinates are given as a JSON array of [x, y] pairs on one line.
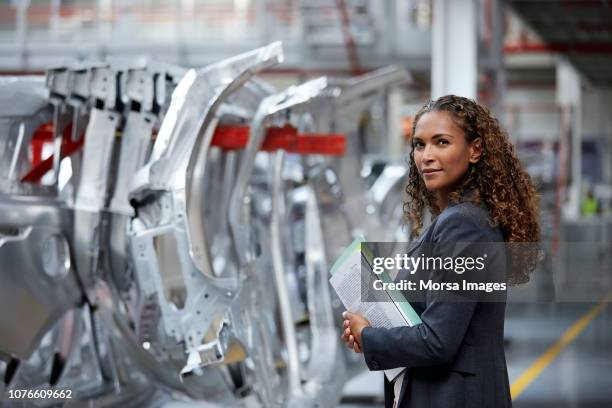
[[428, 154]]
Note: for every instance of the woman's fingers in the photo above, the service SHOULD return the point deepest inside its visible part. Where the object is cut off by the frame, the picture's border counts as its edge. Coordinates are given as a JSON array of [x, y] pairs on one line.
[[345, 334], [345, 329], [351, 342]]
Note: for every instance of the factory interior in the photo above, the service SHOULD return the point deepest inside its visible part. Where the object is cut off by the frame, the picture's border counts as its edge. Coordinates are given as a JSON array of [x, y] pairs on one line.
[[177, 179]]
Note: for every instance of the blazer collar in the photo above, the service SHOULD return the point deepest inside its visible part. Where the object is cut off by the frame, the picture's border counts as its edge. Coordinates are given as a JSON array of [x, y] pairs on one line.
[[421, 237], [467, 195]]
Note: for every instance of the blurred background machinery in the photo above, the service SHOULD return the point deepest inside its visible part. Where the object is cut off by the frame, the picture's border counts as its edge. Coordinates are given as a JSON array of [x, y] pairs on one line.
[[177, 176]]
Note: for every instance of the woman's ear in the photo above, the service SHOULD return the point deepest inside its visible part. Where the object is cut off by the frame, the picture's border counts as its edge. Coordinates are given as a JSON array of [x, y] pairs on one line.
[[475, 150]]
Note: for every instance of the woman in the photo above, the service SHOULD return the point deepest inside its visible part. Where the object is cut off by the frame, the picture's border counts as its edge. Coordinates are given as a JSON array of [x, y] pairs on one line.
[[464, 169]]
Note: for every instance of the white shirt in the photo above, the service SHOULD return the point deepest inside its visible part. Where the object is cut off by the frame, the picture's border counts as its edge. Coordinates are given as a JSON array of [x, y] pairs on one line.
[[397, 388]]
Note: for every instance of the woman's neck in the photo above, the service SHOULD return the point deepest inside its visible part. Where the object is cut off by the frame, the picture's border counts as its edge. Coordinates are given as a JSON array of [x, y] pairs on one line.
[[442, 200], [443, 196]]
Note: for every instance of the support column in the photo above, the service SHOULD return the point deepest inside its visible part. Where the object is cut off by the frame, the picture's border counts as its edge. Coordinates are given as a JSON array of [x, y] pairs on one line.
[[396, 147], [605, 128], [54, 19], [263, 21], [21, 28], [497, 57], [454, 65], [569, 96]]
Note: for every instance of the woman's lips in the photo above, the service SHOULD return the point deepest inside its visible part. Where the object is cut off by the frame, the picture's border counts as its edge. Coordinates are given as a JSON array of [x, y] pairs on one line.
[[429, 173]]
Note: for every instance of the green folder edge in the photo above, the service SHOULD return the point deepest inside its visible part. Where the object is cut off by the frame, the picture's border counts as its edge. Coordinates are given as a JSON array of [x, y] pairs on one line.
[[360, 244]]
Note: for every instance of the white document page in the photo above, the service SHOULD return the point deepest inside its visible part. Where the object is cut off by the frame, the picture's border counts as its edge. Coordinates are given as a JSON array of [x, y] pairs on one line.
[[386, 313]]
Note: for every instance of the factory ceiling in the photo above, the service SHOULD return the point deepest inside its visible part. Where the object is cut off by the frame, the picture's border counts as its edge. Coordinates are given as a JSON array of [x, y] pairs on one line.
[[579, 29]]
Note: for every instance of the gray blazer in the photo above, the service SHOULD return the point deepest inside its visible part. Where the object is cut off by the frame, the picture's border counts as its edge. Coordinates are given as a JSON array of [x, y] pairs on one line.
[[455, 357]]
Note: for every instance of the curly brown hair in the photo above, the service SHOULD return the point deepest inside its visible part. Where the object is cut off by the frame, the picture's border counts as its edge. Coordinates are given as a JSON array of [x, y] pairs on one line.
[[497, 180]]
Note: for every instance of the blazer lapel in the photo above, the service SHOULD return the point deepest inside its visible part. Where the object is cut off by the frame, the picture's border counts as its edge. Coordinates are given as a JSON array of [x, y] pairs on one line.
[[415, 244]]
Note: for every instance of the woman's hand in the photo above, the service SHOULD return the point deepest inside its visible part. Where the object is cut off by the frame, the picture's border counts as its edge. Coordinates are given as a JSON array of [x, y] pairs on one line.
[[352, 327], [348, 338]]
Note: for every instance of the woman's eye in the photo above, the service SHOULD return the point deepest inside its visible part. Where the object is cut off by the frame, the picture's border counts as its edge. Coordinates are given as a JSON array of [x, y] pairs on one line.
[[442, 141], [417, 144]]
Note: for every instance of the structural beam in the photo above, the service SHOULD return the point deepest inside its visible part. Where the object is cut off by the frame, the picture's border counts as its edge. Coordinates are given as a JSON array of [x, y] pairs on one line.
[[455, 48]]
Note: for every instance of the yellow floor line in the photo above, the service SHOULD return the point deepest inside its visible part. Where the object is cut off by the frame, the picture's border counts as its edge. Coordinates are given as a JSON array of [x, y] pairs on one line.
[[545, 359]]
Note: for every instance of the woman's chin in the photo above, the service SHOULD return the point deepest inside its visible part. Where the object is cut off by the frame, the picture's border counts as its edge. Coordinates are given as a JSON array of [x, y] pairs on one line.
[[432, 187], [440, 185]]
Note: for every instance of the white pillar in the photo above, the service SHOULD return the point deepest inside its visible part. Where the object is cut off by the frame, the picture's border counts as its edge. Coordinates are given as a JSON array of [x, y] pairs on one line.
[[21, 28], [569, 95], [396, 145], [263, 21], [454, 65], [54, 18]]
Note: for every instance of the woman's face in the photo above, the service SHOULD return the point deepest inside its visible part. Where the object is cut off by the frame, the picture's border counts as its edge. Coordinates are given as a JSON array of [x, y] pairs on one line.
[[441, 152]]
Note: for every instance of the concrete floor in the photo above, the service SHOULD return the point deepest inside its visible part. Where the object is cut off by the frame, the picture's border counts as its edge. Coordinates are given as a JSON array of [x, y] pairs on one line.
[[579, 376]]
